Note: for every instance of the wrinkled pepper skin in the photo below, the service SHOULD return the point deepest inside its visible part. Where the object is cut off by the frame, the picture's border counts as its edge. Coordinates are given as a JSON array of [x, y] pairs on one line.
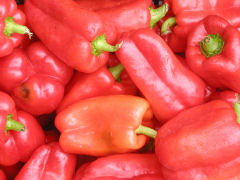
[[125, 15], [194, 138], [8, 8], [48, 162], [2, 175], [76, 29], [189, 13], [221, 70], [223, 171], [112, 121], [119, 166], [99, 83], [17, 146], [37, 79], [156, 71]]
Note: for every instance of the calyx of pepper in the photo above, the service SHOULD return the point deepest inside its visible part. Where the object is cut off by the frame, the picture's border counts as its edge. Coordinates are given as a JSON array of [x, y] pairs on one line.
[[12, 27], [167, 24], [157, 14], [99, 45], [211, 45], [116, 71], [236, 106], [13, 125], [146, 131]]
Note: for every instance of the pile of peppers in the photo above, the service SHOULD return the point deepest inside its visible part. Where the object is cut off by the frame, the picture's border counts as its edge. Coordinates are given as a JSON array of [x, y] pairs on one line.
[[119, 90]]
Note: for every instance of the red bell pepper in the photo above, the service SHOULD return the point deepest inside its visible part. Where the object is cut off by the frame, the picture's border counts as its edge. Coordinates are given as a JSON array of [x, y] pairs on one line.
[[12, 27], [120, 166], [77, 36], [223, 171], [104, 125], [35, 78], [212, 54], [189, 13], [2, 175], [48, 162], [17, 146], [160, 76], [12, 171], [205, 137], [100, 83], [228, 96], [127, 15]]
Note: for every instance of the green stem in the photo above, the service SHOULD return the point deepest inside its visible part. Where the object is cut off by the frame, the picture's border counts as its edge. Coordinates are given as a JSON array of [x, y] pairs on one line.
[[211, 45], [146, 131], [12, 27], [116, 71], [166, 26], [13, 125], [157, 14], [99, 45], [236, 106]]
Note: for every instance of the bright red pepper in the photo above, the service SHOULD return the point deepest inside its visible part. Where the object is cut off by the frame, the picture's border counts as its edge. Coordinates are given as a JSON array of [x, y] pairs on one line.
[[104, 125], [228, 96], [120, 166], [11, 26], [126, 15], [163, 80], [189, 13], [17, 146], [212, 54], [48, 162], [81, 36], [35, 78], [2, 175], [223, 171], [100, 83], [205, 137], [12, 171]]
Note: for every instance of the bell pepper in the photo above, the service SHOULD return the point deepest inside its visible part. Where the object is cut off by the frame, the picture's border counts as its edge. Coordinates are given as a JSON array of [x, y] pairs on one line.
[[48, 162], [12, 22], [100, 83], [227, 95], [189, 13], [157, 73], [127, 15], [81, 38], [105, 125], [2, 175], [223, 171], [204, 137], [120, 166], [14, 145], [212, 54], [12, 171], [37, 79]]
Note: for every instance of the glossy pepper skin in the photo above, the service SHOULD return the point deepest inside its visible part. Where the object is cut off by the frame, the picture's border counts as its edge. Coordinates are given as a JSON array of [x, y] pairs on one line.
[[17, 146], [75, 40], [112, 121], [125, 15], [198, 135], [11, 26], [212, 54], [119, 166], [36, 78], [157, 73], [229, 170], [100, 83], [48, 162], [189, 13]]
